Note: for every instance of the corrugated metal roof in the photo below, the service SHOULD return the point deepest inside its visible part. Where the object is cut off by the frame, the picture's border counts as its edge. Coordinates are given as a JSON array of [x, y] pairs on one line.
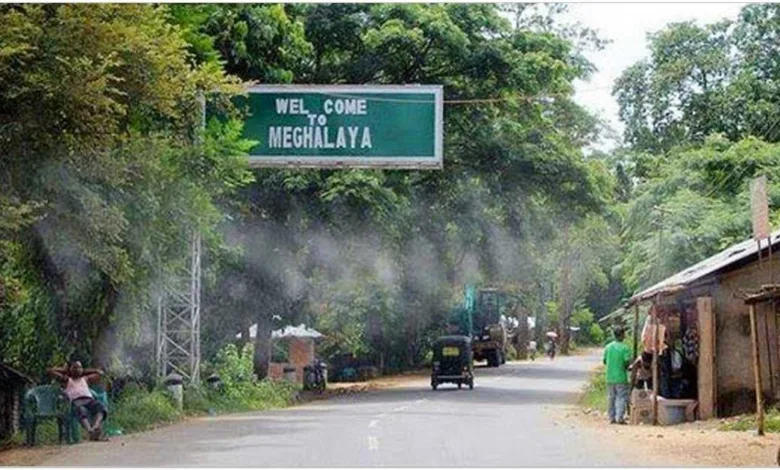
[[715, 263], [8, 373], [300, 331]]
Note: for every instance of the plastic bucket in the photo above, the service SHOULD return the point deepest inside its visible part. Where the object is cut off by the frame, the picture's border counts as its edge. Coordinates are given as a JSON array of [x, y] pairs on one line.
[[675, 414]]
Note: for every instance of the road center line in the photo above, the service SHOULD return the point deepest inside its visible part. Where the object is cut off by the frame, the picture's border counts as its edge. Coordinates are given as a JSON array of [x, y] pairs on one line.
[[400, 408], [373, 423], [373, 443]]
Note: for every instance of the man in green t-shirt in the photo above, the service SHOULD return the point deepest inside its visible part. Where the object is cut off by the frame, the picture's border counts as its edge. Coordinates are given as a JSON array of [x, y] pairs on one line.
[[617, 358]]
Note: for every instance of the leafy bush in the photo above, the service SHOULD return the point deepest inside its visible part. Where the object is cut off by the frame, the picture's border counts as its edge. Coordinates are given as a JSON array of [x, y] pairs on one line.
[[253, 396], [138, 410], [234, 366], [511, 353], [596, 334], [748, 422], [240, 390], [595, 396], [196, 400], [428, 358]]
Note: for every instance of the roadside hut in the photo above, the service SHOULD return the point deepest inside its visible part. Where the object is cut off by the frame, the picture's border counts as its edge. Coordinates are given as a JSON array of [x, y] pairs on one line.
[[293, 347], [703, 322], [12, 387]]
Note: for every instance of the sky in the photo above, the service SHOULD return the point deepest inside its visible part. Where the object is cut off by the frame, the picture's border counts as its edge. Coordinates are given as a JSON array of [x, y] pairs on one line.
[[627, 25]]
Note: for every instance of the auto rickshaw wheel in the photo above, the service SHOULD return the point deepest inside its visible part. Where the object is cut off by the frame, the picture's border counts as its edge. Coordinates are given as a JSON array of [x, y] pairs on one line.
[[471, 385], [434, 385], [493, 359], [460, 384]]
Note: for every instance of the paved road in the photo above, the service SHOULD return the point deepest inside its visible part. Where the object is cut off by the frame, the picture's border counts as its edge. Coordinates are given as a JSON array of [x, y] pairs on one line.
[[507, 420]]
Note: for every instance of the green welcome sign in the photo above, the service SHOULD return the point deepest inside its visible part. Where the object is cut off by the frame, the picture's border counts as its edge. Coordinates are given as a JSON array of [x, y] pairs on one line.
[[345, 126]]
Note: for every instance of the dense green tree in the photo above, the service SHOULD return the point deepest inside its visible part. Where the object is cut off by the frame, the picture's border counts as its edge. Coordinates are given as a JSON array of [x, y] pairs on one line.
[[98, 119]]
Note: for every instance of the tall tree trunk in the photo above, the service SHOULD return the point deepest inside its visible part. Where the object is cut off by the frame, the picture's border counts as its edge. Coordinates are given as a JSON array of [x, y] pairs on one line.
[[564, 308], [522, 337], [262, 356]]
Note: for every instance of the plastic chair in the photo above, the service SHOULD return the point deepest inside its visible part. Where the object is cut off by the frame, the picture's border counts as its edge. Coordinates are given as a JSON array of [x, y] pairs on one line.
[[41, 403], [73, 426]]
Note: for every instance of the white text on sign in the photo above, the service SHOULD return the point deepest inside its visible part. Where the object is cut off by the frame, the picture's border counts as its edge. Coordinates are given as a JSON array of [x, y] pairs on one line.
[[317, 135]]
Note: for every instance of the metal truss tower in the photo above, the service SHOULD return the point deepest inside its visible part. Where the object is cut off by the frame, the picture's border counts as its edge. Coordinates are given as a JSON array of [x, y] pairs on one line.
[[178, 320]]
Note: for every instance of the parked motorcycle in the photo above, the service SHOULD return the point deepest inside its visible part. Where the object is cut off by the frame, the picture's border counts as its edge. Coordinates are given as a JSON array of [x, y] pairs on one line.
[[314, 376]]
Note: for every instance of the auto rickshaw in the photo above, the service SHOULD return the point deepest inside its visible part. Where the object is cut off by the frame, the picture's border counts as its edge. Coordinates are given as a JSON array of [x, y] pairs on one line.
[[452, 362]]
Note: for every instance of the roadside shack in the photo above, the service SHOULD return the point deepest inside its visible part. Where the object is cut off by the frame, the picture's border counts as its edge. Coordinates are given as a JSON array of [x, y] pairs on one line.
[[293, 349], [12, 387], [699, 320]]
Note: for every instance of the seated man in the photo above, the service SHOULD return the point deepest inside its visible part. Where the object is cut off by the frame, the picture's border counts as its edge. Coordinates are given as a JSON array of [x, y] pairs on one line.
[[74, 378]]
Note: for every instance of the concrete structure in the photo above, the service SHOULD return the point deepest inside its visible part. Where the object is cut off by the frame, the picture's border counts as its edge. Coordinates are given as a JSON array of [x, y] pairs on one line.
[[710, 295], [299, 342]]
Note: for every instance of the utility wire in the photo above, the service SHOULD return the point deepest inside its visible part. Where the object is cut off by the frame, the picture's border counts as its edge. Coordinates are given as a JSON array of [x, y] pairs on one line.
[[518, 97], [721, 184]]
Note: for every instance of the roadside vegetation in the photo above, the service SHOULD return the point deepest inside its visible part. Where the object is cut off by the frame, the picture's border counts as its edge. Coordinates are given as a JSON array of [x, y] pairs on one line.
[[748, 422], [139, 408], [595, 395]]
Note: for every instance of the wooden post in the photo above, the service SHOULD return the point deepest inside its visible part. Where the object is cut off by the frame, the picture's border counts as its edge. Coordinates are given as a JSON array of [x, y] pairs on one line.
[[769, 350], [636, 330], [706, 368], [771, 264], [655, 365], [757, 372]]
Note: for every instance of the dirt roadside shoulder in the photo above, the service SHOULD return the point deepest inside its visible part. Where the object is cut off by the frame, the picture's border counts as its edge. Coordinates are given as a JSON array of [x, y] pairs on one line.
[[690, 444]]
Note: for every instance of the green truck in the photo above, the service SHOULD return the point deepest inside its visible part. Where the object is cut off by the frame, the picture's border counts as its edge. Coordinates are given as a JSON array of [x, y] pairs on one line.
[[479, 317]]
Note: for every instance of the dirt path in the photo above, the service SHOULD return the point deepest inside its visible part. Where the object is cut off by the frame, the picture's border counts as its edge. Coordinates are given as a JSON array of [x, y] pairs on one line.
[[690, 444]]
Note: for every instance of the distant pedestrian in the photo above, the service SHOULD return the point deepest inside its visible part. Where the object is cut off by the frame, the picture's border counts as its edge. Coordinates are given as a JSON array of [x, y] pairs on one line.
[[532, 350], [617, 358]]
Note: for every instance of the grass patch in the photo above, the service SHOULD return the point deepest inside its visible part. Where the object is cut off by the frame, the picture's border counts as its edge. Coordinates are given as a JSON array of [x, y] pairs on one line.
[[595, 396], [140, 410], [748, 422], [242, 396]]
